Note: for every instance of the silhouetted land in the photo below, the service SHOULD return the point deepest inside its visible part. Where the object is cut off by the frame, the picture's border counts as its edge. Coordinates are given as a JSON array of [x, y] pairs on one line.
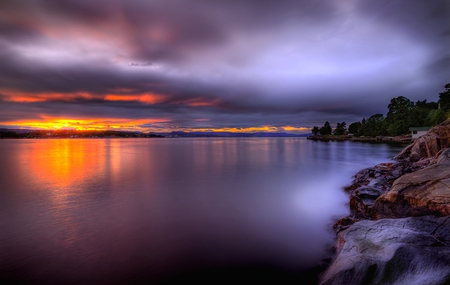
[[49, 134]]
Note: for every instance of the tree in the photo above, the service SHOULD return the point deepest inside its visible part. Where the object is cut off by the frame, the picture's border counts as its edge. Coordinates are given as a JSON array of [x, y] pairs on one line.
[[340, 129], [435, 117], [326, 129], [444, 98], [315, 130], [420, 112], [374, 126], [355, 127], [398, 118]]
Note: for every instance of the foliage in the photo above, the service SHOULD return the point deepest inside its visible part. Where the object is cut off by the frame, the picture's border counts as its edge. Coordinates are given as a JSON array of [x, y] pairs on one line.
[[315, 130], [444, 98], [355, 127], [398, 118], [326, 129], [402, 114], [374, 126], [435, 117], [340, 129]]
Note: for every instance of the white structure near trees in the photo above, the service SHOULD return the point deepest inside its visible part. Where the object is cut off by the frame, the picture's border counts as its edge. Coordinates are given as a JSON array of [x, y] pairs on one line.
[[418, 131]]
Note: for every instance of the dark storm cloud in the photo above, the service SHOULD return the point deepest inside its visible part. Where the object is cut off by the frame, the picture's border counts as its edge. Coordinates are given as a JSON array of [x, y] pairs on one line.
[[421, 20], [227, 63]]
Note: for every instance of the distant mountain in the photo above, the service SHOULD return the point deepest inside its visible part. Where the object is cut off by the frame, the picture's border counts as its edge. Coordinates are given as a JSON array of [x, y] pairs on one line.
[[229, 134], [20, 133], [15, 130], [13, 133]]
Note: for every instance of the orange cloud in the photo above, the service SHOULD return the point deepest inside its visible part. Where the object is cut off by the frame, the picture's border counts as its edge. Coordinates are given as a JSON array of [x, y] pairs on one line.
[[197, 102], [146, 98], [141, 125], [12, 96], [200, 104], [32, 98], [48, 123], [237, 130], [295, 129], [250, 129]]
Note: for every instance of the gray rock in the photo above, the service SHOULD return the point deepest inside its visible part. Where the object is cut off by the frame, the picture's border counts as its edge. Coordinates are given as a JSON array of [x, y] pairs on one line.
[[380, 183], [412, 250]]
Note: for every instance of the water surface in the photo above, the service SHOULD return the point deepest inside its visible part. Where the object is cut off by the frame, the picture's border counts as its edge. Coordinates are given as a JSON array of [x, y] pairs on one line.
[[128, 211]]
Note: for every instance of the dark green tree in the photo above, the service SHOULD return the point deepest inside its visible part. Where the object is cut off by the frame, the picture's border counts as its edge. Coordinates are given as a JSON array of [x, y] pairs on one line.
[[326, 129], [340, 129], [315, 130], [398, 118], [354, 128], [418, 116], [435, 117], [444, 98], [374, 126]]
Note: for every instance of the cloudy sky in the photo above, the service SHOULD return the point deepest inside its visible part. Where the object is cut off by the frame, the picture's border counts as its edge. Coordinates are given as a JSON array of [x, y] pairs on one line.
[[160, 65]]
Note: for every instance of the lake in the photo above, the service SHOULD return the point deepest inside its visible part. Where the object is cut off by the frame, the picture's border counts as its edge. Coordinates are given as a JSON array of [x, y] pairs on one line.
[[167, 211]]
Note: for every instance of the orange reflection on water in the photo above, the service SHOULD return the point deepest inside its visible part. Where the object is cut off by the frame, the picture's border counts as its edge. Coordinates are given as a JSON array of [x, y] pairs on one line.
[[71, 175], [64, 163]]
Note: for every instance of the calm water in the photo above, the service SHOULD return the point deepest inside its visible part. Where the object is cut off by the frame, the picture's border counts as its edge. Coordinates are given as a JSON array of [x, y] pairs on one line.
[[131, 211]]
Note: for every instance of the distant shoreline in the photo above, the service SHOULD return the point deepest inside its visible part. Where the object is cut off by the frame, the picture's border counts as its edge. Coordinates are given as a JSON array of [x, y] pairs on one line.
[[72, 134], [398, 139]]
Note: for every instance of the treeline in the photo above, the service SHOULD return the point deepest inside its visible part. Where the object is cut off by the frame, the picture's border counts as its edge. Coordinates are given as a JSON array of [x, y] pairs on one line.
[[46, 134], [402, 114]]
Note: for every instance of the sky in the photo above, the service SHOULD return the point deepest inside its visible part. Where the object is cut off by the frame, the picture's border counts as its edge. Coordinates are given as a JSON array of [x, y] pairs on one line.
[[213, 65]]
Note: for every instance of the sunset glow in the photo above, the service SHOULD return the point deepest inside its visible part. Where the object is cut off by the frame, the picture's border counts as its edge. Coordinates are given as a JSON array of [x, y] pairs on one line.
[[16, 97], [278, 66], [189, 141], [86, 124], [146, 99], [141, 125]]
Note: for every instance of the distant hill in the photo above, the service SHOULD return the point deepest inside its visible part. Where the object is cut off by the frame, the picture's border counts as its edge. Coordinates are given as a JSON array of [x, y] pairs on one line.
[[21, 133], [229, 134], [47, 134], [15, 130]]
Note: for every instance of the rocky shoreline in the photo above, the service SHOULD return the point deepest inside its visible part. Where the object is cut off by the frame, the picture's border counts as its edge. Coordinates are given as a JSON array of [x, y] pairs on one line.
[[398, 231]]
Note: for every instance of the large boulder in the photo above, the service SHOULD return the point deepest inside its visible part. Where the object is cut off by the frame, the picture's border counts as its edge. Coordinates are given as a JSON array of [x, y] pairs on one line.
[[371, 183], [413, 250], [429, 144], [423, 192]]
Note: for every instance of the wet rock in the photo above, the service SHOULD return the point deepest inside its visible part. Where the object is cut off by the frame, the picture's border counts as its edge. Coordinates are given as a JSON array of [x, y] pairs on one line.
[[410, 199], [414, 250], [378, 175], [429, 144], [363, 198], [423, 192], [368, 185]]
